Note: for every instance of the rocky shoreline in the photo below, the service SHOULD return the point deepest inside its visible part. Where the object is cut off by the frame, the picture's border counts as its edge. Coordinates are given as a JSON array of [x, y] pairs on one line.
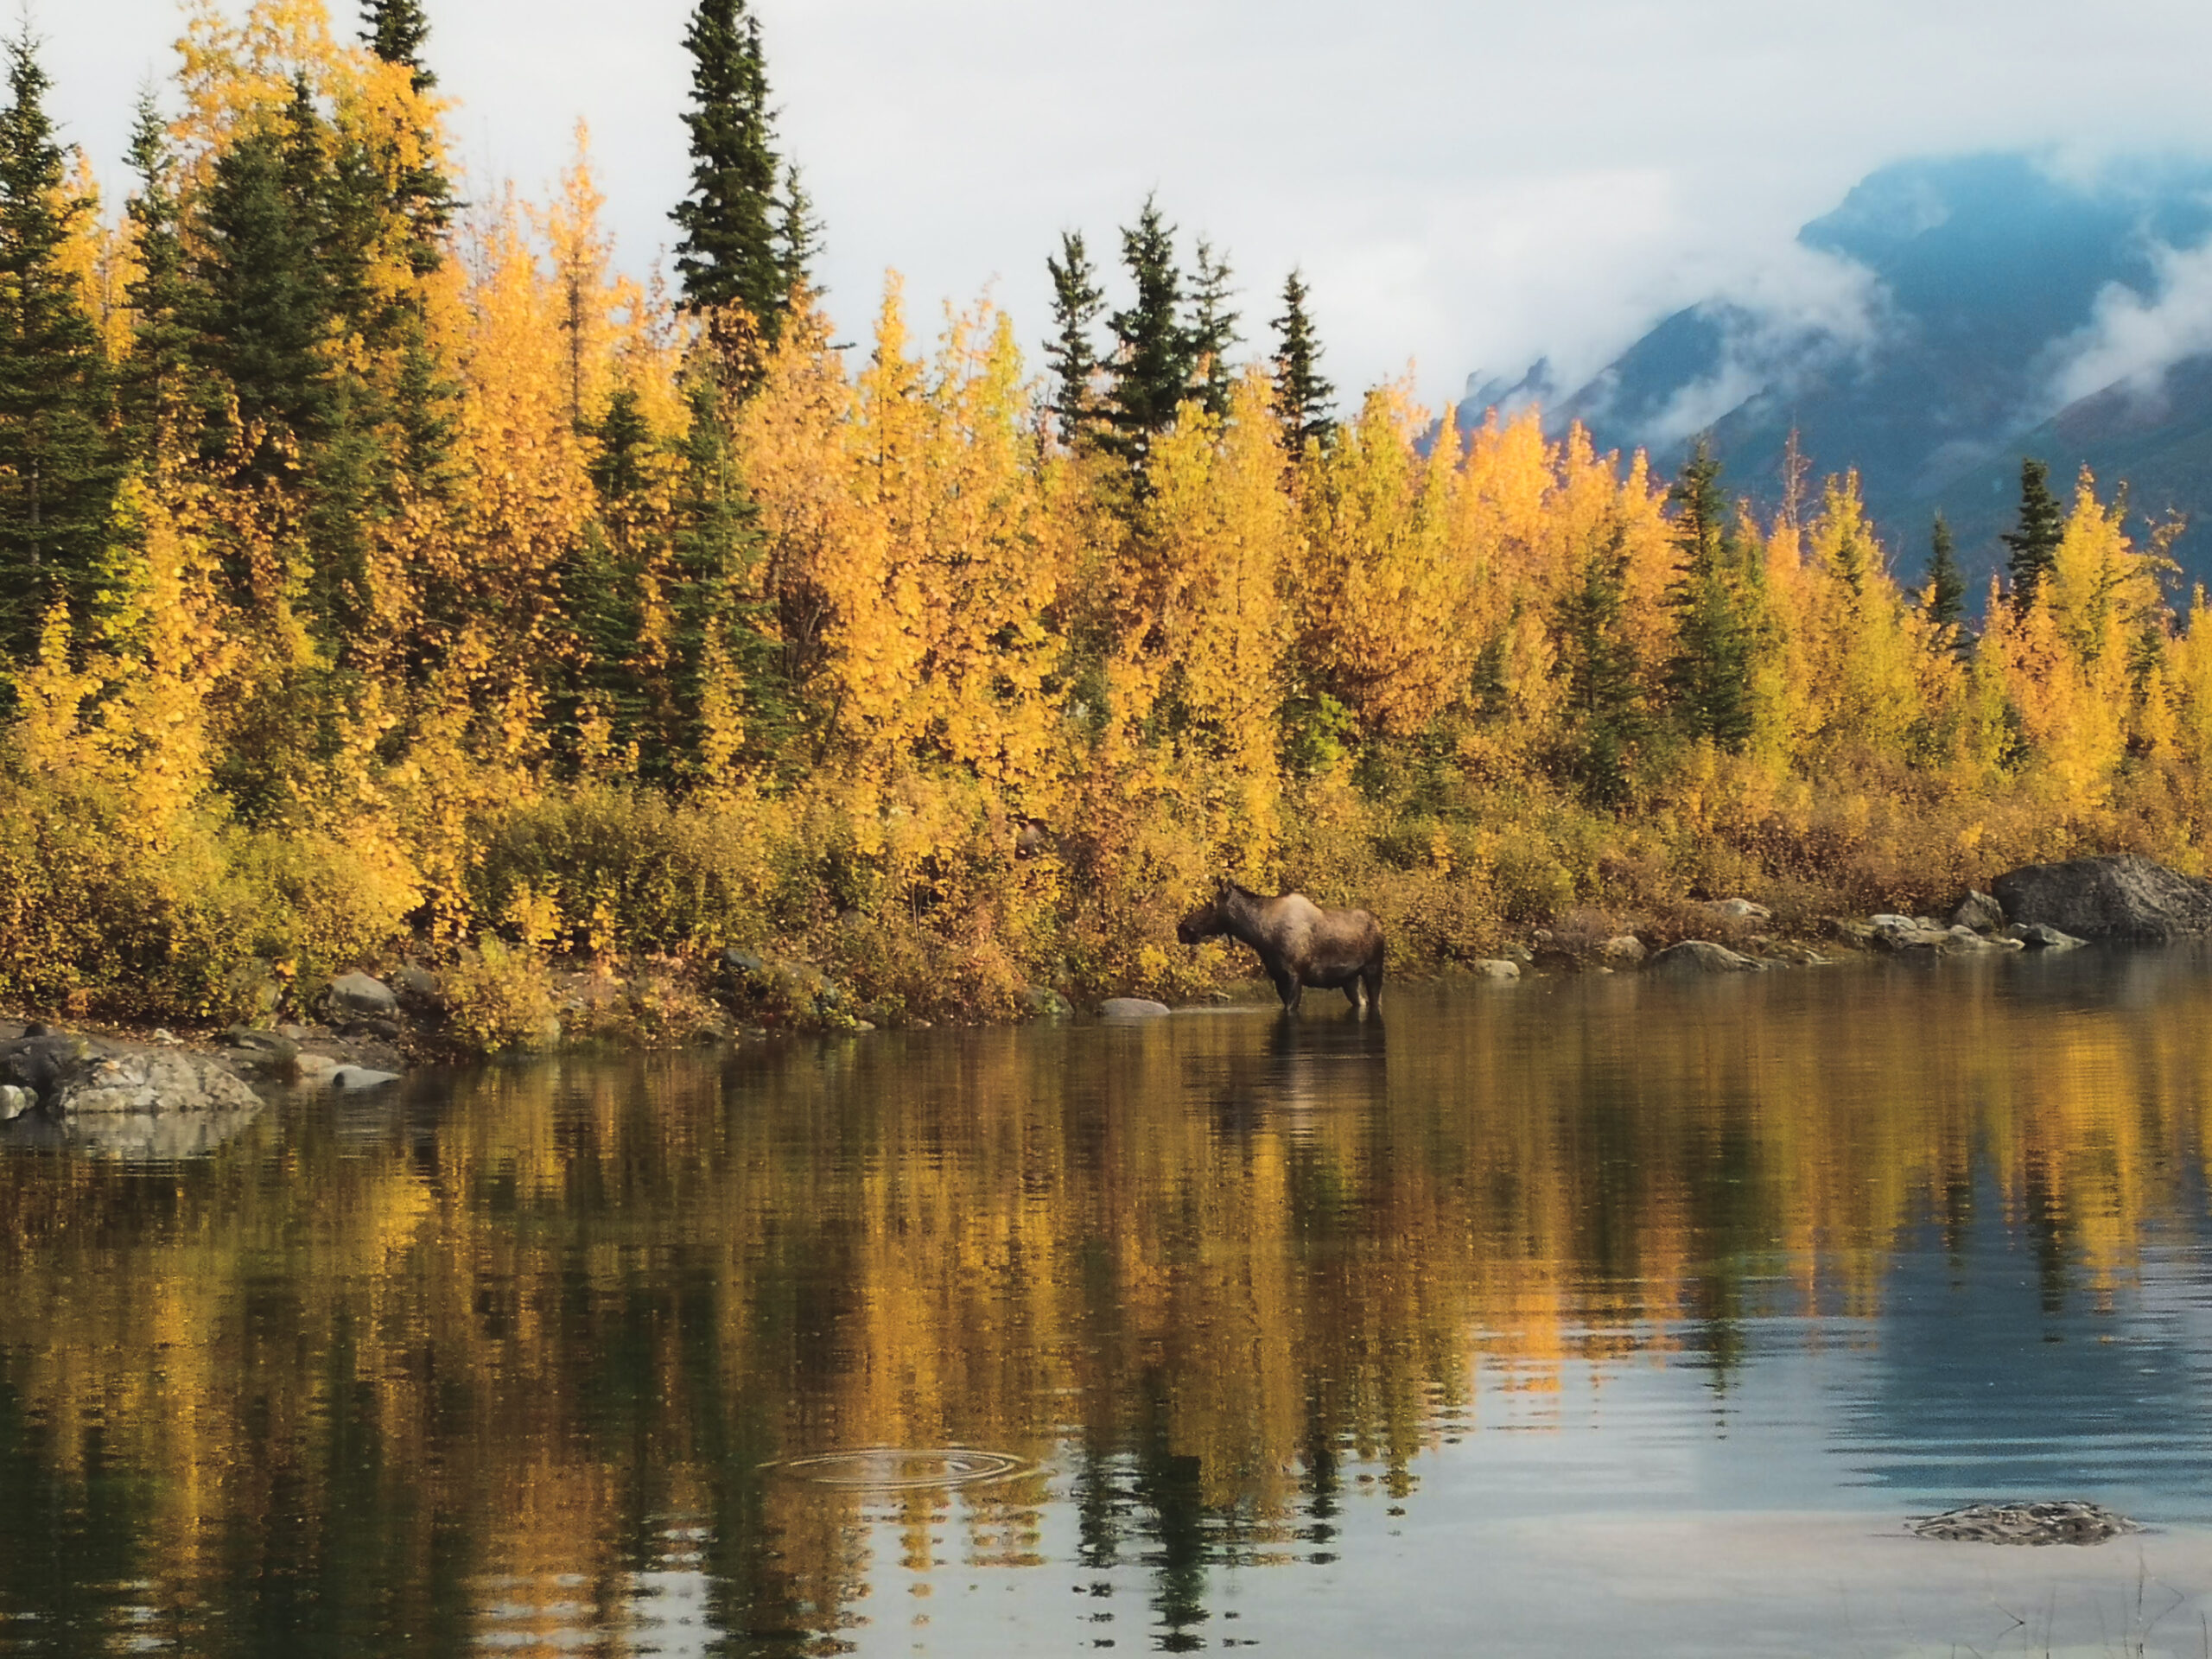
[[109, 1087]]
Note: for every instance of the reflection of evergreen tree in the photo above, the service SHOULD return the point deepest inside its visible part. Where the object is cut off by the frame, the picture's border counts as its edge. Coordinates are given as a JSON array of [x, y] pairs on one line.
[[1171, 1486]]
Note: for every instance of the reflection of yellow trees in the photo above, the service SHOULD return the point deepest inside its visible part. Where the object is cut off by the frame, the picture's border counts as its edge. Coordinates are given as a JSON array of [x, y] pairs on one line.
[[544, 1340]]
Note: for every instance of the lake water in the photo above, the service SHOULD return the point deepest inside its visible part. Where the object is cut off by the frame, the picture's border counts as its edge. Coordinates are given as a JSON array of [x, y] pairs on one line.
[[1580, 1316]]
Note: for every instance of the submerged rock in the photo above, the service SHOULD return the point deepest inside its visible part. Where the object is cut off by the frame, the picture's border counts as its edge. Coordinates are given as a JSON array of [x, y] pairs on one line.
[[361, 1076], [2122, 897], [1495, 967], [2063, 1520], [1132, 1008], [1702, 956], [2041, 935]]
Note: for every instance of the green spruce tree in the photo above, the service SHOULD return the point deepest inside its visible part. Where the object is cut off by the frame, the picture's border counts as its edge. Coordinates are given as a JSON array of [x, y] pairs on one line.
[[1213, 332], [602, 590], [1156, 350], [156, 385], [1605, 687], [798, 238], [396, 31], [1946, 604], [1070, 354], [2035, 543], [262, 310], [1709, 678], [58, 462], [1302, 396], [730, 251]]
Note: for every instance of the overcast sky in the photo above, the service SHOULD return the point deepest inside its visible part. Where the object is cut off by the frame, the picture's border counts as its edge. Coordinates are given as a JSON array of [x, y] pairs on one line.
[[1465, 184]]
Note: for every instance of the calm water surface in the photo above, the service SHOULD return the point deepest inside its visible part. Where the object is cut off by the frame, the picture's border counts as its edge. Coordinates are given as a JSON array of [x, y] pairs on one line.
[[1580, 1316]]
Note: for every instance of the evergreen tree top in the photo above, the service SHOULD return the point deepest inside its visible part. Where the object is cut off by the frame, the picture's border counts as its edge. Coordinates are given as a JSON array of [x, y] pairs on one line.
[[1156, 351], [2035, 543], [396, 31], [1702, 523], [1070, 354], [1947, 587], [729, 253], [1302, 396]]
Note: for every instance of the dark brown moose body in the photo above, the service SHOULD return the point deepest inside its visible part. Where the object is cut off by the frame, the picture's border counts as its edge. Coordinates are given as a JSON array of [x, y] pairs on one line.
[[1298, 942]]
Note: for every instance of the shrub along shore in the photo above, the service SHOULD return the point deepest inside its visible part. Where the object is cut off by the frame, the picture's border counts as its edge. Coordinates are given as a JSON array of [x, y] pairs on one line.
[[378, 586]]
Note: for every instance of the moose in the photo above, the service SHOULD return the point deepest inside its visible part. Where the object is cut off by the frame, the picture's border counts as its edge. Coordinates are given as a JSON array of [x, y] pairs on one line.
[[1298, 942]]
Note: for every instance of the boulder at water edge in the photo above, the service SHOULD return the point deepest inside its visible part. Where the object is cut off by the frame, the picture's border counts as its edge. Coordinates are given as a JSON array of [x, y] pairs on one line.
[[1701, 957], [156, 1080], [2123, 898], [2041, 935]]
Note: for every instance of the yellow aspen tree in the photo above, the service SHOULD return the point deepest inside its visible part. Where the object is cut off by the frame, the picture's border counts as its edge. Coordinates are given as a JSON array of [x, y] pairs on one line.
[[791, 438], [1381, 597], [1863, 690], [529, 495], [988, 588], [1224, 526], [155, 731], [872, 575], [100, 255], [586, 295]]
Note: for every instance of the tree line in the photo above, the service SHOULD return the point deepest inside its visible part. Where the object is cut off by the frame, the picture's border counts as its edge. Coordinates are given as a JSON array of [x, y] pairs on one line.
[[379, 563]]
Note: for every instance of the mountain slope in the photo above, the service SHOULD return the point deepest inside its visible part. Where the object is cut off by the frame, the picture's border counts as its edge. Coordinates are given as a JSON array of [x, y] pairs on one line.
[[1969, 288]]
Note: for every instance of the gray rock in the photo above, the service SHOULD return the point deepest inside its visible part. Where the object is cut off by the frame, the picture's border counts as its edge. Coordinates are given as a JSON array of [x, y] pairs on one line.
[[1702, 956], [1739, 910], [14, 1101], [1911, 934], [315, 1068], [1520, 953], [413, 980], [361, 1076], [1979, 913], [2041, 935], [358, 996], [152, 1082], [1046, 1003], [1132, 1008], [1624, 950], [2123, 898], [263, 1048], [743, 962], [1495, 967]]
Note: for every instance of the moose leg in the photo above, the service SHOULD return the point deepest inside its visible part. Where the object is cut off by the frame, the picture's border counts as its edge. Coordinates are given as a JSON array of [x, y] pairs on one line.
[[1356, 994], [1371, 981], [1285, 988]]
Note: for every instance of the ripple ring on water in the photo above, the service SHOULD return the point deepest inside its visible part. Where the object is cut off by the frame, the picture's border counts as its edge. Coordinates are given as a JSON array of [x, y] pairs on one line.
[[899, 1469]]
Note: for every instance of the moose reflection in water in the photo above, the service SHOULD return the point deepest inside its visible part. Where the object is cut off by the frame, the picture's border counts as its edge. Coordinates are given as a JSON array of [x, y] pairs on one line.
[[1298, 942]]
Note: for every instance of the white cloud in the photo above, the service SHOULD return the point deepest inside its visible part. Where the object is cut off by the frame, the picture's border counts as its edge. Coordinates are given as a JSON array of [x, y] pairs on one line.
[[1466, 182], [2134, 339]]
